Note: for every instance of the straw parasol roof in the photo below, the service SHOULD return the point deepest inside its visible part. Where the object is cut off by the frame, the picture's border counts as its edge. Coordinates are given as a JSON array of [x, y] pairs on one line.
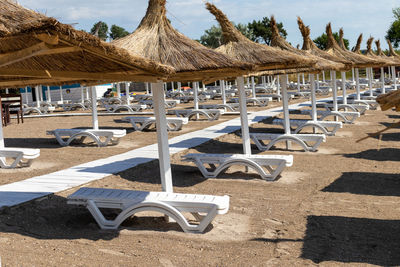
[[310, 47], [236, 45], [156, 39], [36, 49], [370, 53], [380, 53], [392, 53], [359, 61], [322, 64]]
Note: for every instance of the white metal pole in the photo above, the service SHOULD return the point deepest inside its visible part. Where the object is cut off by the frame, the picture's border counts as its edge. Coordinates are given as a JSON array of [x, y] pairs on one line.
[[37, 96], [1, 131], [179, 87], [128, 97], [118, 90], [243, 117], [278, 87], [344, 87], [358, 84], [41, 93], [248, 82], [26, 95], [304, 81], [383, 91], [95, 119], [323, 76], [146, 85], [317, 80], [162, 137], [82, 95], [394, 77], [253, 86], [352, 74], [196, 95], [335, 107], [370, 82], [285, 101], [313, 100], [263, 80], [298, 82], [61, 94], [223, 93], [172, 86], [48, 94]]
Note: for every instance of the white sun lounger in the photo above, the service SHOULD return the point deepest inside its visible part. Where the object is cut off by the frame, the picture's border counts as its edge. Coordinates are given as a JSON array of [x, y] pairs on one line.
[[168, 103], [232, 107], [373, 105], [304, 140], [110, 136], [360, 108], [22, 157], [209, 114], [73, 106], [267, 166], [142, 123], [132, 202], [346, 116], [327, 127], [259, 101], [130, 108]]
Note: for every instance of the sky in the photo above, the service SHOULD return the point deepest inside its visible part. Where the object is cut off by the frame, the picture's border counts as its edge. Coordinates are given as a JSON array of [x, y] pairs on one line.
[[370, 17]]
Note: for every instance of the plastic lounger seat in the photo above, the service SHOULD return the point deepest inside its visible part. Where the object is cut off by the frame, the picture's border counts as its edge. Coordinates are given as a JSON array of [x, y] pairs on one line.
[[373, 105], [109, 136], [346, 116], [231, 107], [170, 204], [267, 166], [209, 114], [21, 157], [73, 106], [256, 101], [345, 107], [304, 140], [30, 110], [168, 103], [327, 127], [129, 108], [142, 123]]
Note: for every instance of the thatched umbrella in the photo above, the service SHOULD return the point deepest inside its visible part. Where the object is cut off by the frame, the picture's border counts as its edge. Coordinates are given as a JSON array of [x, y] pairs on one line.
[[156, 39], [395, 56], [322, 64], [264, 57], [36, 49]]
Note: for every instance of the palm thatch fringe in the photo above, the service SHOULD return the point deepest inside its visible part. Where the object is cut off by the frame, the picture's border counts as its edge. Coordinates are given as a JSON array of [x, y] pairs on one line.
[[371, 54], [156, 39], [380, 53], [236, 45], [322, 64], [311, 47]]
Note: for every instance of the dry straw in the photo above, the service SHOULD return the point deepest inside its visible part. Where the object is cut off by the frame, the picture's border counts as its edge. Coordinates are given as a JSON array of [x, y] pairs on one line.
[[310, 47], [36, 49], [266, 58], [322, 64], [370, 53], [156, 39]]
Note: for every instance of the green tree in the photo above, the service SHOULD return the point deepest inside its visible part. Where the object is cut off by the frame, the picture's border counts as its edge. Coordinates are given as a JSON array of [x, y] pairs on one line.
[[100, 29], [261, 30], [117, 32], [322, 41], [213, 37], [393, 34]]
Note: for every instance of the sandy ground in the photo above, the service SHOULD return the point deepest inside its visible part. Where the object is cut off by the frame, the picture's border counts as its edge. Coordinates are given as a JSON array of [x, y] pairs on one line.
[[336, 206]]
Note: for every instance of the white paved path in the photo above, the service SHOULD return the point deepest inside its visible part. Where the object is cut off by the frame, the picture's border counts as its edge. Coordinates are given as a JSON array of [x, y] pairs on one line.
[[40, 186]]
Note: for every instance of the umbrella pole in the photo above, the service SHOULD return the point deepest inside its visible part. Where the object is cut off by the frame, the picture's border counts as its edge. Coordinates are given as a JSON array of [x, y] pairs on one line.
[[118, 90], [253, 86], [370, 82], [61, 95], [179, 87], [223, 92], [358, 84], [313, 100], [82, 96], [278, 87], [394, 77], [304, 81], [48, 94], [128, 100], [383, 91], [1, 131], [317, 81], [335, 107], [323, 76], [344, 87], [26, 95], [352, 74], [37, 96], [172, 86], [146, 85], [196, 94], [285, 108], [95, 118], [243, 117], [162, 137], [298, 82]]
